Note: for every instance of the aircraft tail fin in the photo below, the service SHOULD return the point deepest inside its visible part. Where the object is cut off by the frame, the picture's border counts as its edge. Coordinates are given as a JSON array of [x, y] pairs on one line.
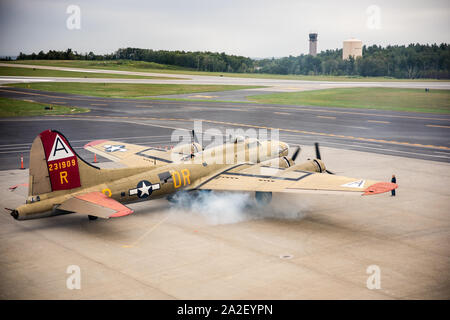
[[54, 165]]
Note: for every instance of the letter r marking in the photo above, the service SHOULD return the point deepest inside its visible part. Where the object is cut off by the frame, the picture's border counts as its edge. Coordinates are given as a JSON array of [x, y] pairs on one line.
[[63, 177]]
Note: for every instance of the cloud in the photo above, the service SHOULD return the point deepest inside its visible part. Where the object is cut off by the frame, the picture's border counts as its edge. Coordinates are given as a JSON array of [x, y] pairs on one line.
[[251, 28]]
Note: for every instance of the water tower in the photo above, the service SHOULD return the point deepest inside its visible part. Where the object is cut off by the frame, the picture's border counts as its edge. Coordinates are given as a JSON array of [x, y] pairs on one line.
[[313, 44], [352, 47]]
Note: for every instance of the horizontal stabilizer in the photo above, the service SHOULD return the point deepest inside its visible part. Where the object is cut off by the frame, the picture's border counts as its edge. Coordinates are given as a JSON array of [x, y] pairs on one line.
[[95, 204], [130, 155]]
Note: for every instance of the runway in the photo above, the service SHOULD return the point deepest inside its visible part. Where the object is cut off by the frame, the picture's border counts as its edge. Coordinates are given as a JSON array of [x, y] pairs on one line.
[[413, 135], [277, 85]]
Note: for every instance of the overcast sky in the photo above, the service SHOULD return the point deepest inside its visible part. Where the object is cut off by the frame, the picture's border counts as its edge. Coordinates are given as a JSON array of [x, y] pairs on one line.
[[251, 28]]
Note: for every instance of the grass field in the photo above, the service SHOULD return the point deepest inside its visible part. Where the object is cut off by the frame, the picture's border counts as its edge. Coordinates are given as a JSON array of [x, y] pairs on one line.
[[415, 100], [27, 72], [19, 108], [125, 90], [142, 66]]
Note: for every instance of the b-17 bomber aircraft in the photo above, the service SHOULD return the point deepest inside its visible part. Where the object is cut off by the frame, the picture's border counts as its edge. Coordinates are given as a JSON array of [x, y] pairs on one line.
[[60, 182]]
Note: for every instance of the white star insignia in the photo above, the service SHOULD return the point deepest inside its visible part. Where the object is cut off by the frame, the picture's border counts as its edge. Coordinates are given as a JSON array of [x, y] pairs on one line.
[[144, 189], [113, 148]]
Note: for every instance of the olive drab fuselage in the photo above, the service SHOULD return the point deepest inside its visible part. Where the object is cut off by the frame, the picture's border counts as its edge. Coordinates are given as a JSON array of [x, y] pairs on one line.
[[128, 185]]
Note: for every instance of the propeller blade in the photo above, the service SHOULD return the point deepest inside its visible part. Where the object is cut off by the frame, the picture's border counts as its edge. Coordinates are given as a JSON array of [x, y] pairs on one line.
[[194, 139], [296, 153], [316, 145]]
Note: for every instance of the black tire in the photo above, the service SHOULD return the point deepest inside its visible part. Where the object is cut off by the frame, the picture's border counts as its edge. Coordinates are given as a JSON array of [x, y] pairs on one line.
[[263, 198], [204, 192], [92, 217], [171, 198]]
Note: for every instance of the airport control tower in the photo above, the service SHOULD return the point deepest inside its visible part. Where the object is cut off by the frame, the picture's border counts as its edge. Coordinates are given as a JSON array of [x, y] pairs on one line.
[[313, 44]]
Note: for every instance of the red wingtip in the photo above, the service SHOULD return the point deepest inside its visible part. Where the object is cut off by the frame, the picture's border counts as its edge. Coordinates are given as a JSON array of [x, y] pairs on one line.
[[380, 187], [102, 200], [94, 143], [122, 213]]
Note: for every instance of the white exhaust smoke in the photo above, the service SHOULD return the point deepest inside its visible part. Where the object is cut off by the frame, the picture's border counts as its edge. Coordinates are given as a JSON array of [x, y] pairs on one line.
[[231, 207]]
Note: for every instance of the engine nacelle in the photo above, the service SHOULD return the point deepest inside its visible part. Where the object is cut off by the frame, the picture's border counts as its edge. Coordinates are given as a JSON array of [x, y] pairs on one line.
[[186, 150], [314, 165], [281, 162]]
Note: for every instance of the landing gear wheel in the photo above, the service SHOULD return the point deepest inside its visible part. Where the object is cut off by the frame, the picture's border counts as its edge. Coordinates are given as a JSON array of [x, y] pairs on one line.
[[199, 193], [172, 199], [263, 198], [92, 217]]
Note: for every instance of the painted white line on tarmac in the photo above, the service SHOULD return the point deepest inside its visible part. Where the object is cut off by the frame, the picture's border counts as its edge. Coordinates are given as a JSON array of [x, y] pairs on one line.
[[368, 144], [390, 150], [325, 117], [16, 151], [437, 126], [26, 79], [88, 140], [363, 128], [18, 147]]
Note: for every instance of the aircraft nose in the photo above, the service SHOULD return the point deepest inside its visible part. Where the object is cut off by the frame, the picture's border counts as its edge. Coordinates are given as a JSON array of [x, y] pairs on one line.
[[15, 214]]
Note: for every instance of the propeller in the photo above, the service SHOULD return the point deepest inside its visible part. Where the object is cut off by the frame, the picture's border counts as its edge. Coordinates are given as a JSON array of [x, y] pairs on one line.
[[296, 153], [194, 138], [316, 146]]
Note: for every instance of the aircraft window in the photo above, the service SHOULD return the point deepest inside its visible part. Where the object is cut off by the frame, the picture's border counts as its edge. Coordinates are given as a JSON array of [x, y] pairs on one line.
[[165, 177]]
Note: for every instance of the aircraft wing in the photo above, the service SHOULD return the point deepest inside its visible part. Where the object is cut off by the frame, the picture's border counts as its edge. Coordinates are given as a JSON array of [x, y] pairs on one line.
[[95, 204], [131, 155], [250, 178]]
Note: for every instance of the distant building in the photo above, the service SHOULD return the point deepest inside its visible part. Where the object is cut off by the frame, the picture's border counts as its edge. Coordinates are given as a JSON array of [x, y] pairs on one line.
[[352, 47], [313, 44]]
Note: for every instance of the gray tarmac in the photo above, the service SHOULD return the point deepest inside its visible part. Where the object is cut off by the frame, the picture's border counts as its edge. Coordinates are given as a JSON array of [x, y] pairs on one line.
[[300, 247], [303, 247]]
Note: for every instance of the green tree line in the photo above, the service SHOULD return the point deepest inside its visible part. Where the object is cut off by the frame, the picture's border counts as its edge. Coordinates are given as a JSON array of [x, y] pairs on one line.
[[410, 62], [202, 61]]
